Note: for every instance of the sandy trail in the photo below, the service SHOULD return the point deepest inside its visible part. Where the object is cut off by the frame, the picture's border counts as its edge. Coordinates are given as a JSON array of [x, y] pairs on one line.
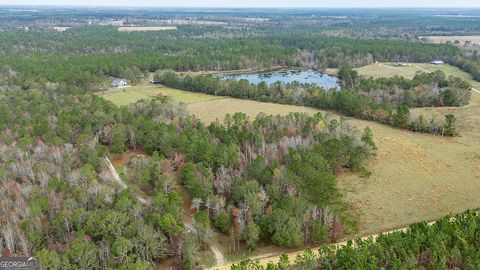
[[218, 255], [187, 219], [275, 258], [422, 69], [117, 179]]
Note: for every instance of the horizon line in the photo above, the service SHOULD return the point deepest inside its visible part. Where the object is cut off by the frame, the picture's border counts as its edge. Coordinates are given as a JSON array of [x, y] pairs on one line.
[[239, 7]]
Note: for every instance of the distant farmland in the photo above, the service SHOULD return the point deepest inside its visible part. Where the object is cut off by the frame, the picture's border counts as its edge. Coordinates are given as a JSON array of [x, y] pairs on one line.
[[60, 28], [389, 70], [145, 28], [453, 39]]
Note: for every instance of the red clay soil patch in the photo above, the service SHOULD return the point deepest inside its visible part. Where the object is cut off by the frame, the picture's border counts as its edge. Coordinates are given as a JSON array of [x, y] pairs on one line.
[[120, 160]]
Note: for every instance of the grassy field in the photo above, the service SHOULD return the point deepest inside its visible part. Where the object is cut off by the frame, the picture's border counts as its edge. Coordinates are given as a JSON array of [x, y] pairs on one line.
[[460, 39], [145, 28], [125, 96], [390, 70], [217, 109]]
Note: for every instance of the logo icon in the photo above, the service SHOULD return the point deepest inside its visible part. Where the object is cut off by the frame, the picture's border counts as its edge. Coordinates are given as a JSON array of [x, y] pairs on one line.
[[19, 263]]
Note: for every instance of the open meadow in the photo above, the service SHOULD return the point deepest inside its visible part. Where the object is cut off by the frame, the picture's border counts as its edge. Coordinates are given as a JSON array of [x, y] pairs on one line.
[[379, 70], [453, 39], [217, 109], [125, 96]]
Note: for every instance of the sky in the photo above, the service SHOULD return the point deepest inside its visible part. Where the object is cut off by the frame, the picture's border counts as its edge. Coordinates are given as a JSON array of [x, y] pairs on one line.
[[253, 3]]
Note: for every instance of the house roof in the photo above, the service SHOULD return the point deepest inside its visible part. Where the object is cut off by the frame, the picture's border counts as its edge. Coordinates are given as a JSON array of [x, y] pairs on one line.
[[119, 81]]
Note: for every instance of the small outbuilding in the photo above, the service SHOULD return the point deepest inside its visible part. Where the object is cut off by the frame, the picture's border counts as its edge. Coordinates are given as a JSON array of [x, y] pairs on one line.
[[437, 62], [155, 81], [119, 83]]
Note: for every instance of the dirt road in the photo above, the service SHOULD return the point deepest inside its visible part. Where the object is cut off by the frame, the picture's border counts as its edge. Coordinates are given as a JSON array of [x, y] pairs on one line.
[[119, 180], [292, 255]]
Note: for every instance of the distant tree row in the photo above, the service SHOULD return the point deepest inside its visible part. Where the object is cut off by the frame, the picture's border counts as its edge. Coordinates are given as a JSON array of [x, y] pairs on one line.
[[86, 56], [383, 100]]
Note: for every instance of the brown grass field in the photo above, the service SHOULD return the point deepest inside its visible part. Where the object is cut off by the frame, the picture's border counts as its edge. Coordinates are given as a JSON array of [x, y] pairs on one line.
[[389, 70], [145, 28], [125, 96], [217, 109], [453, 39]]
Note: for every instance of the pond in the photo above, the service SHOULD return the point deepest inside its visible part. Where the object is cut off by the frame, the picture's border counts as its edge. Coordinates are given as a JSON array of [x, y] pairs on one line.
[[287, 76]]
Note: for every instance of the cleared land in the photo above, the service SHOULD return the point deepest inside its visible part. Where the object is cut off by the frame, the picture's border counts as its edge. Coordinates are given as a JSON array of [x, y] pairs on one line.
[[125, 96], [389, 70], [453, 39], [145, 28], [60, 28], [217, 109]]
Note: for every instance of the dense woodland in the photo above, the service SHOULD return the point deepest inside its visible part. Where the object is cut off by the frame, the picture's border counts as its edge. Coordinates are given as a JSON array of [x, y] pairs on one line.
[[450, 243], [86, 56], [271, 179], [386, 100]]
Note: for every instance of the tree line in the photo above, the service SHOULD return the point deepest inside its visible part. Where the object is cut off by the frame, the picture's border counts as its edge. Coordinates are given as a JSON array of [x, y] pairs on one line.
[[450, 243], [86, 56], [383, 100]]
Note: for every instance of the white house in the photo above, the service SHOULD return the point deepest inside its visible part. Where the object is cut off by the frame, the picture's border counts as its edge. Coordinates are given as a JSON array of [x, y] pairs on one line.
[[119, 83], [437, 62]]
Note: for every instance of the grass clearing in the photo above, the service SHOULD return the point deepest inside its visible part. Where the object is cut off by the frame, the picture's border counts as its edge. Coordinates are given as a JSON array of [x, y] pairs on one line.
[[389, 70], [217, 109], [145, 28], [125, 96], [453, 39]]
